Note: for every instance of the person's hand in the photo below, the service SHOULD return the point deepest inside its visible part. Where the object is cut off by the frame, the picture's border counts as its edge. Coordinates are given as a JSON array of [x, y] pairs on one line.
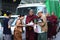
[[42, 24], [28, 25], [35, 30], [15, 28], [9, 27]]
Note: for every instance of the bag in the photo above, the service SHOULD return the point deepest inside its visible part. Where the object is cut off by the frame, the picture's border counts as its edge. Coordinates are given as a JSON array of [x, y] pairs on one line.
[[35, 29]]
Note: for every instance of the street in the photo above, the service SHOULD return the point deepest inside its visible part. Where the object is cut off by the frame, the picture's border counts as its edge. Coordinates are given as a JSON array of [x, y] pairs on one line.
[[57, 36], [23, 36]]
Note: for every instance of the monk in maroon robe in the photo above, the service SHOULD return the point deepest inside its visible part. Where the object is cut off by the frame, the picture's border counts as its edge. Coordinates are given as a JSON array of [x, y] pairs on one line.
[[54, 24], [49, 26], [29, 29]]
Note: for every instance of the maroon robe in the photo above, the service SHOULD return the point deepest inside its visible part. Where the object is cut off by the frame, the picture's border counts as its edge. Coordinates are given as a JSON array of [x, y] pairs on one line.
[[54, 26], [49, 27], [29, 30]]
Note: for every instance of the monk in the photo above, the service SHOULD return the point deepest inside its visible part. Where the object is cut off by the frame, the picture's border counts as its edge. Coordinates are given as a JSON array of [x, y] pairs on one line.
[[29, 29], [54, 23], [49, 24]]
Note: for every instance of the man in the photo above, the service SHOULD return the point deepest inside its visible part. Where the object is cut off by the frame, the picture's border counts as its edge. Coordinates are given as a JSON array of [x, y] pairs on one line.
[[7, 27], [54, 24], [43, 28], [49, 26], [29, 29], [39, 25]]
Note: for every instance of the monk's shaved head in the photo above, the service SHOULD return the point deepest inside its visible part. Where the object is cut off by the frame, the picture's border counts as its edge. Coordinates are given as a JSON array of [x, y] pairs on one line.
[[53, 13], [31, 12]]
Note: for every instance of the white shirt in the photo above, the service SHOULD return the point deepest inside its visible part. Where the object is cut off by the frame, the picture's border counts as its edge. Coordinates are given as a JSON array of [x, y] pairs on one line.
[[37, 29]]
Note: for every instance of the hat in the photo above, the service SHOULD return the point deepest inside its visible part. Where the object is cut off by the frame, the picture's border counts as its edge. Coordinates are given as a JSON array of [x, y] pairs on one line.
[[40, 11]]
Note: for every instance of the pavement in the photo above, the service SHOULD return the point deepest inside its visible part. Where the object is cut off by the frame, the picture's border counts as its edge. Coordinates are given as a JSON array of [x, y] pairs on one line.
[[57, 36], [24, 36]]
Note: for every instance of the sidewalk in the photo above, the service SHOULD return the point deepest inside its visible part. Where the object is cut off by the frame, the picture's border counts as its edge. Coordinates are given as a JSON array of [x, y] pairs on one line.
[[57, 36]]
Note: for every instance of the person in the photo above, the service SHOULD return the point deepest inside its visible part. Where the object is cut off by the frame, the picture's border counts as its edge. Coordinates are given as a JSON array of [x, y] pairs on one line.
[[18, 29], [41, 35], [29, 29], [1, 33], [44, 28], [54, 24], [49, 24], [7, 27], [58, 28]]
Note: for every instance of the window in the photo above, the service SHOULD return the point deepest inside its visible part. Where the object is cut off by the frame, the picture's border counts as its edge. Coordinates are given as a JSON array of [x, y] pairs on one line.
[[25, 10]]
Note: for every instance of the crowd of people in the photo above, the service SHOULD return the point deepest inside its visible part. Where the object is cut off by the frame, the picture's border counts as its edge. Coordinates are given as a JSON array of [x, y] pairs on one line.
[[52, 25], [38, 27]]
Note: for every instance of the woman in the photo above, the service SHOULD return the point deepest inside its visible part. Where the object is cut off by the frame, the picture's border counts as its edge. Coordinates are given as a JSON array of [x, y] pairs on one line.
[[18, 28]]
